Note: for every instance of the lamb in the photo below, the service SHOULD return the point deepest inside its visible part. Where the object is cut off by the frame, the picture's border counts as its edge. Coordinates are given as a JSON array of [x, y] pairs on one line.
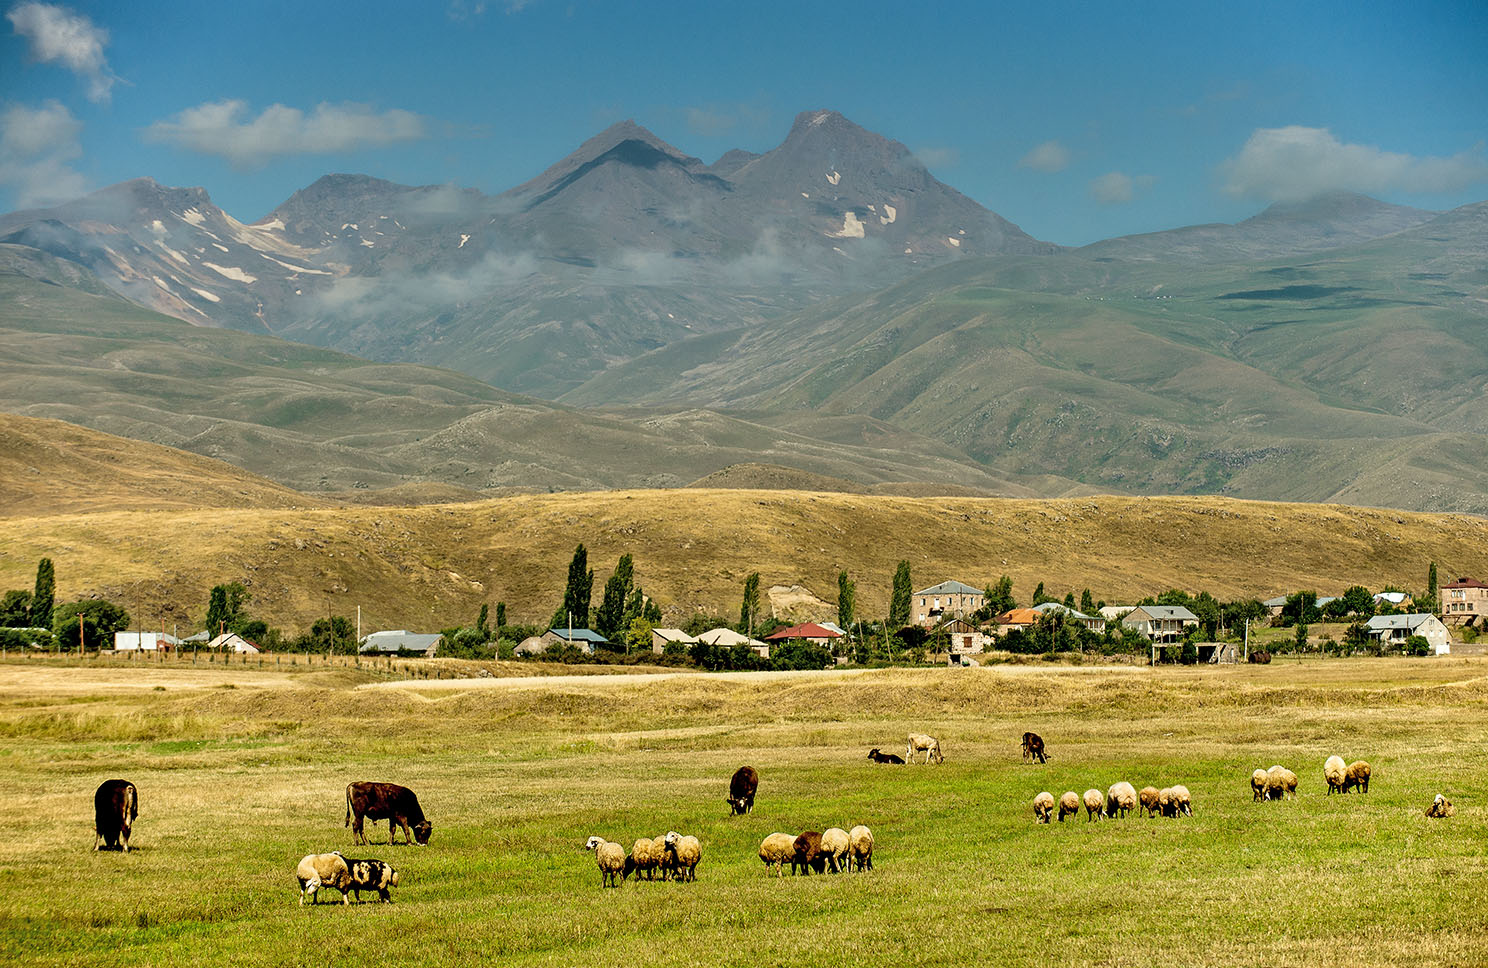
[[1043, 806], [372, 875], [1334, 771], [1121, 799], [835, 844], [1094, 804], [1182, 802], [860, 847], [929, 745], [1069, 803], [1148, 798], [684, 854], [611, 860], [1280, 782], [1258, 786], [1441, 807], [323, 870], [808, 849], [1357, 777], [644, 859], [880, 757], [777, 850]]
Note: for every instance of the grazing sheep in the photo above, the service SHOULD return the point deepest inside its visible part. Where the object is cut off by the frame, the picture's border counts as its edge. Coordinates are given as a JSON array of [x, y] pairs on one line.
[[644, 859], [808, 851], [1357, 777], [684, 854], [776, 851], [1043, 806], [611, 860], [1167, 806], [1280, 783], [1258, 786], [372, 875], [323, 870], [860, 849], [920, 743], [1334, 771], [1069, 803], [1121, 799], [879, 757], [1441, 807], [1148, 798], [1182, 802], [1094, 804], [742, 787], [1033, 748], [834, 847]]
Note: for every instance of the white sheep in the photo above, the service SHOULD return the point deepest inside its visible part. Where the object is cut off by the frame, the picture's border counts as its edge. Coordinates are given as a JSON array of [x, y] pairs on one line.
[[777, 850], [1357, 777], [323, 870], [1094, 804], [1334, 770], [1182, 802], [860, 850], [1069, 803], [1441, 807], [663, 859], [1258, 785], [684, 853], [1121, 799], [1167, 804], [1043, 807], [1280, 783], [644, 859], [1148, 798], [835, 844], [611, 860]]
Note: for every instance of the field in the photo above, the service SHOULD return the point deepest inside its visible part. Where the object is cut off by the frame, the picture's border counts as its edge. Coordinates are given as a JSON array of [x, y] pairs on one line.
[[242, 771]]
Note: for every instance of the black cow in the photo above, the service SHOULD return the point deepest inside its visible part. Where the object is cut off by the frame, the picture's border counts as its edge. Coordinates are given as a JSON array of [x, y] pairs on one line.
[[386, 801], [1033, 748], [741, 790], [115, 805], [878, 756], [372, 875]]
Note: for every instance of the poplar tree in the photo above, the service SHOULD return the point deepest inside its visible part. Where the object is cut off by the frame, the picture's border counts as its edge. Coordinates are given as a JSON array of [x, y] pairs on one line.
[[749, 608], [901, 597], [43, 597], [577, 593], [847, 593]]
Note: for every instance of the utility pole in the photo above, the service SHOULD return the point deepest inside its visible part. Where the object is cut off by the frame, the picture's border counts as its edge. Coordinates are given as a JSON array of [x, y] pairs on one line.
[[359, 626], [1247, 640], [82, 642]]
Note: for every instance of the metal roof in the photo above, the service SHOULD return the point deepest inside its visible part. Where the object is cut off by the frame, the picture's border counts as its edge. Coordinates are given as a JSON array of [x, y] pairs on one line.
[[400, 640], [1379, 623], [950, 588], [580, 635]]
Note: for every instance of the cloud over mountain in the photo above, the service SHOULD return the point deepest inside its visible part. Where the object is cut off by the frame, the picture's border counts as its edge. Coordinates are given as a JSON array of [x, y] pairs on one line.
[[223, 128], [1051, 156], [36, 148], [59, 36]]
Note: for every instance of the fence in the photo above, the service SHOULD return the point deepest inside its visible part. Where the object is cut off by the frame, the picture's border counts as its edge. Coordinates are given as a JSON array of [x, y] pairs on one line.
[[389, 666]]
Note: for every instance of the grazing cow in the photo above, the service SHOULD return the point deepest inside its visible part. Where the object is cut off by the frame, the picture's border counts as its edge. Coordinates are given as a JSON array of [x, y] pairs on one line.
[[386, 801], [741, 790], [115, 805], [879, 757], [929, 745], [371, 875], [1033, 748]]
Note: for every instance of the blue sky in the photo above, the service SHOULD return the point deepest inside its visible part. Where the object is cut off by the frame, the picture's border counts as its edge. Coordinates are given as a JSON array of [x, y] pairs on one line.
[[1077, 121]]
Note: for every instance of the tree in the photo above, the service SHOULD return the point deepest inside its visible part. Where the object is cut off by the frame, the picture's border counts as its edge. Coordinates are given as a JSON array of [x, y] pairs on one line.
[[1206, 609], [577, 593], [1357, 601], [750, 607], [1300, 608], [15, 610], [638, 635], [1039, 597], [1416, 645], [1000, 596], [847, 593], [225, 607], [100, 620], [500, 615], [609, 621], [333, 634], [42, 598], [1301, 638], [1431, 583], [901, 596], [1087, 602]]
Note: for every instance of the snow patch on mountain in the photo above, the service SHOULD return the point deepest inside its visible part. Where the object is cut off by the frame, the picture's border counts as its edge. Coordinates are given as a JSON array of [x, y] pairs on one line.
[[231, 272], [851, 227]]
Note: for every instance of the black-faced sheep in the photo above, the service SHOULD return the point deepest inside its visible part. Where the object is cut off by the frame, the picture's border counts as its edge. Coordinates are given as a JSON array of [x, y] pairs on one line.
[[878, 756], [929, 745], [1043, 807], [1069, 803], [777, 850], [611, 860], [1033, 748], [808, 853], [1167, 803], [1094, 804], [1441, 807], [1357, 777], [1182, 802], [835, 844], [1258, 786], [1148, 799], [1334, 771], [684, 854], [323, 870], [1121, 799], [1280, 783], [372, 875], [860, 849]]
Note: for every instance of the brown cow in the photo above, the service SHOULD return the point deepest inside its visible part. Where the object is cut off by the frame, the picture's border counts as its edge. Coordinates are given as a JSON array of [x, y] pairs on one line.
[[742, 788], [1033, 748], [115, 806], [386, 801]]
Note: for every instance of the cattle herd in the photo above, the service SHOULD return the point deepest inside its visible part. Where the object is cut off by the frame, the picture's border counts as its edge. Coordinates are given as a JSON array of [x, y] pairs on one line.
[[675, 856]]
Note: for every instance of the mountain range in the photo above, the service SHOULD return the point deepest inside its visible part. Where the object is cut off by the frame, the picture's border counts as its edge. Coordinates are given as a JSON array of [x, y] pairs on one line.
[[825, 308]]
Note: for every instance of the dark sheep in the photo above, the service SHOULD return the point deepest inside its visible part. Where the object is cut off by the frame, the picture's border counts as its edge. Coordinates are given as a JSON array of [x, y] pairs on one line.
[[808, 854], [741, 790], [879, 757]]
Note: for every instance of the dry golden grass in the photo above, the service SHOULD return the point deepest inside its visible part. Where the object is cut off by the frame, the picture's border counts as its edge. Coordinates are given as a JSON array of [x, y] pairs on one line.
[[430, 567]]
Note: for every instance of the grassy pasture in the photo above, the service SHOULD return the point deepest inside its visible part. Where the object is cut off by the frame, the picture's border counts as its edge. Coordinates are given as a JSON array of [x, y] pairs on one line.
[[242, 771]]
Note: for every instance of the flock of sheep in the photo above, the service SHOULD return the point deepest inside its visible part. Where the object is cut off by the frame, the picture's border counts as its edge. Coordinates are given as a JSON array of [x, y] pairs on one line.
[[671, 855], [1121, 799]]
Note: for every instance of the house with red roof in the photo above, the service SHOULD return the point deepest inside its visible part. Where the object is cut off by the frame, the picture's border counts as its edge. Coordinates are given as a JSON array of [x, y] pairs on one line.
[[810, 631]]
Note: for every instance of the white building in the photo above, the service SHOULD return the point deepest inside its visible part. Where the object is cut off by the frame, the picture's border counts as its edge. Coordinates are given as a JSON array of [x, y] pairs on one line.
[[144, 641], [1395, 629]]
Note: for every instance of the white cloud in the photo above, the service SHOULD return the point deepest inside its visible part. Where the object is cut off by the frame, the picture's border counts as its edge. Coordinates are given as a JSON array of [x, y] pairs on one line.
[[715, 119], [1051, 156], [938, 157], [1296, 163], [57, 35], [222, 128], [35, 148], [1118, 188]]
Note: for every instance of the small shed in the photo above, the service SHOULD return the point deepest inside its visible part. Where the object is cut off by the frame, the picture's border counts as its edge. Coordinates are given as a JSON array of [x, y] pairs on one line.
[[401, 641], [586, 639], [233, 642], [661, 638]]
